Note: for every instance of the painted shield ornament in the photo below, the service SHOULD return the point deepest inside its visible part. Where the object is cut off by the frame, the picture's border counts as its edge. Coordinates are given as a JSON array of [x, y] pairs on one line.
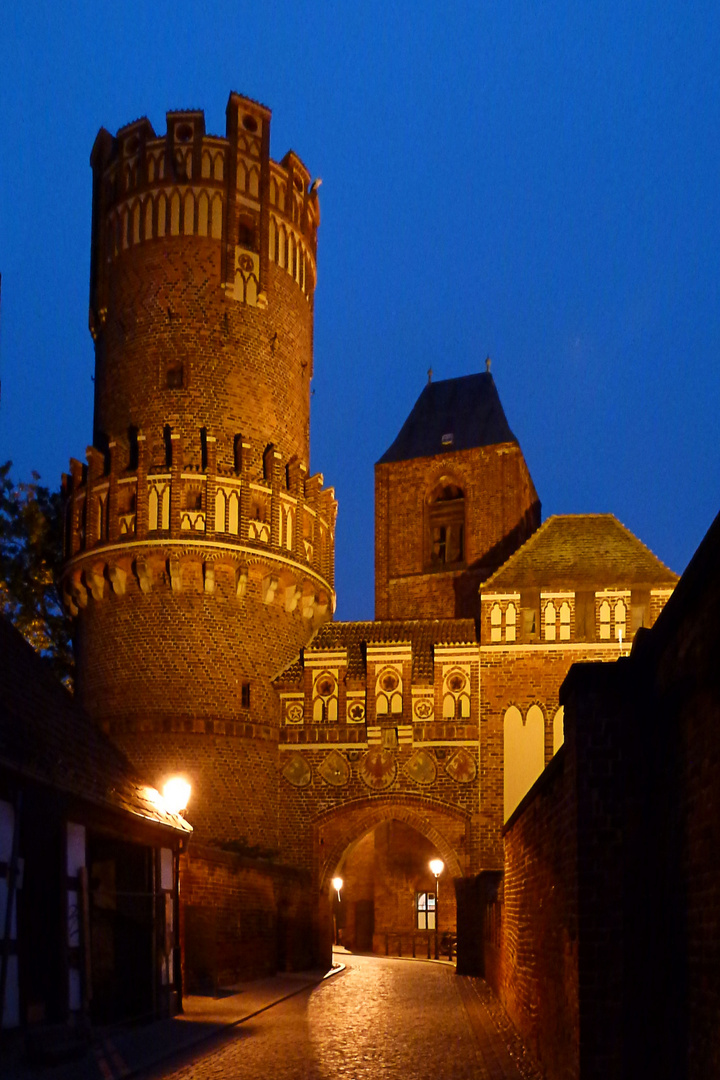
[[461, 767], [297, 771], [421, 768], [334, 769], [378, 768]]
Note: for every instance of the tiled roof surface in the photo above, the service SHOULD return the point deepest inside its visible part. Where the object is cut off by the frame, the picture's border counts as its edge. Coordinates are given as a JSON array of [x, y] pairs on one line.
[[467, 408], [586, 550], [46, 737], [421, 634]]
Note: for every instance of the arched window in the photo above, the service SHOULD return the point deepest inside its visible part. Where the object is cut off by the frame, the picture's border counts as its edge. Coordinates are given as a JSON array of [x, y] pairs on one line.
[[550, 619], [496, 623], [620, 613], [325, 698], [456, 695], [510, 622], [388, 692], [564, 621], [604, 621], [446, 525]]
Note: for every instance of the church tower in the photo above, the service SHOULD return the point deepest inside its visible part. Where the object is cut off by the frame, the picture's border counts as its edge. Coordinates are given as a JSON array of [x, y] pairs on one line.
[[453, 499], [199, 549]]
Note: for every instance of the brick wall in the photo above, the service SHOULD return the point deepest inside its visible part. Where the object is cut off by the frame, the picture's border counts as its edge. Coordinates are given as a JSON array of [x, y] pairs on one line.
[[242, 918], [531, 935]]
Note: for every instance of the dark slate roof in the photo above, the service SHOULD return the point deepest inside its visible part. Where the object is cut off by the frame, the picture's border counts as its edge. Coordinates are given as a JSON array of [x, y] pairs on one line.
[[421, 634], [468, 408], [46, 737], [586, 550]]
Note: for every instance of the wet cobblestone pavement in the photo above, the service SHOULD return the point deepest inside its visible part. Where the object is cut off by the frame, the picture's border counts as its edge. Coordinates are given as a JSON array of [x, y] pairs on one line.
[[379, 1018]]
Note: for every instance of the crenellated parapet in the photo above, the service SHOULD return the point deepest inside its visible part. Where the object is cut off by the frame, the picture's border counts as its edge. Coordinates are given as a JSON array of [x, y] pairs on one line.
[[260, 517], [187, 183]]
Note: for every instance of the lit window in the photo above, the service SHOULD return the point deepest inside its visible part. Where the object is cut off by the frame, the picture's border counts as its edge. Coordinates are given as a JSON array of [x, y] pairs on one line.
[[496, 623], [564, 621], [510, 622], [426, 907], [620, 620], [550, 621], [604, 621]]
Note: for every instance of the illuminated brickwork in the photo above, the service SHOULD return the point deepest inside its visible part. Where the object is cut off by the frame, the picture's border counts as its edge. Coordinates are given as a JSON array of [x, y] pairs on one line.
[[200, 554]]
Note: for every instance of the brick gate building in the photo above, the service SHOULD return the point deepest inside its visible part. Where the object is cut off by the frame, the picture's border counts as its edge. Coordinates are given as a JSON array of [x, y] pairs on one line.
[[200, 568]]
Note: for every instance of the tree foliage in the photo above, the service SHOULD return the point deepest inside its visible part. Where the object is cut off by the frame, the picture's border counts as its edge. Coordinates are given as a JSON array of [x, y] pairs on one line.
[[31, 551]]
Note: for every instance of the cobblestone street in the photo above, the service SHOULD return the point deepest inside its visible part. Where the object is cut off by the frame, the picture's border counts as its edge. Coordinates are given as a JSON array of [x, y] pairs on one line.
[[379, 1018]]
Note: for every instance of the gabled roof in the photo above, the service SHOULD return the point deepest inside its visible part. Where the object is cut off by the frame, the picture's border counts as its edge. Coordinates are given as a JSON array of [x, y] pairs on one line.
[[46, 737], [581, 550], [467, 408], [422, 634]]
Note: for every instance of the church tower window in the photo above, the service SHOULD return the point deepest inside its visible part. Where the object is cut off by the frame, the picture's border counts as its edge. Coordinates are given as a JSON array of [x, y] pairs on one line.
[[446, 525]]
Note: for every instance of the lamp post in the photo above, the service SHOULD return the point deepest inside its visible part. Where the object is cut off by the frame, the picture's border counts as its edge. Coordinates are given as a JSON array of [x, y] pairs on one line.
[[337, 884], [437, 866]]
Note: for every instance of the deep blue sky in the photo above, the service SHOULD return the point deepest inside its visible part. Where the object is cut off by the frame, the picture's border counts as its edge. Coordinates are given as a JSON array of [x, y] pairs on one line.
[[536, 181]]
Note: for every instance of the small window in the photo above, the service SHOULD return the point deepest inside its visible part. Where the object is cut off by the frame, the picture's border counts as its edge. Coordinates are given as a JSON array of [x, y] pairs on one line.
[[245, 695], [175, 377], [496, 623], [564, 621], [247, 233], [237, 453], [425, 906]]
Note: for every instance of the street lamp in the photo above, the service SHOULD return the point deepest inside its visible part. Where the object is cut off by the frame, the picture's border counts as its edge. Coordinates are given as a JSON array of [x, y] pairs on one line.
[[337, 884], [437, 866]]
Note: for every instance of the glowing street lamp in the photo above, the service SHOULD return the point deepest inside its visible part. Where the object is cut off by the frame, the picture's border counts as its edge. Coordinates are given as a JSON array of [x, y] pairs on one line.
[[337, 884], [437, 866], [176, 794]]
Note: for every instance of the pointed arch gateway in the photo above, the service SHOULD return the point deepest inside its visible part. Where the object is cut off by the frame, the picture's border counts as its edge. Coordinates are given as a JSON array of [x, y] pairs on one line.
[[338, 830]]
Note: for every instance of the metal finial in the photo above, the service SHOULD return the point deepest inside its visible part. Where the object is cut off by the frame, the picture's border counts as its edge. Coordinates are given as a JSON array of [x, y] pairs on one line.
[[487, 364], [429, 375]]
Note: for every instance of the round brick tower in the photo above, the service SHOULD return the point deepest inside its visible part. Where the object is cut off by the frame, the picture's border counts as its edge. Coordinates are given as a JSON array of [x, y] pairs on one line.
[[199, 551]]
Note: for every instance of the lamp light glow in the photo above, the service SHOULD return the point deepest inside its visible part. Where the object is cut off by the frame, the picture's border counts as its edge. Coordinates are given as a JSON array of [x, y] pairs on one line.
[[437, 866], [176, 793], [337, 884]]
